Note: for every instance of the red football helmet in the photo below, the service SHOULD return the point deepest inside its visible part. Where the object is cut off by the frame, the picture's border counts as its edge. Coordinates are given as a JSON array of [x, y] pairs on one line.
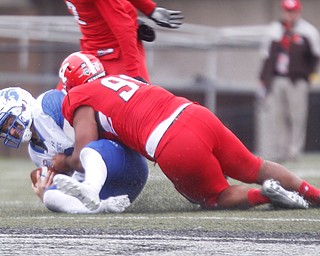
[[79, 68], [292, 5]]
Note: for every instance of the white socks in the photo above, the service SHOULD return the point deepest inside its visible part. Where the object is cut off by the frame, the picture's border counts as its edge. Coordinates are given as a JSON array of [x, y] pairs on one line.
[[95, 169], [56, 201]]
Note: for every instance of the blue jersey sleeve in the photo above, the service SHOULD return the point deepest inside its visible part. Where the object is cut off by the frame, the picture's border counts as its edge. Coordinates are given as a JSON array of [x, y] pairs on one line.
[[52, 106]]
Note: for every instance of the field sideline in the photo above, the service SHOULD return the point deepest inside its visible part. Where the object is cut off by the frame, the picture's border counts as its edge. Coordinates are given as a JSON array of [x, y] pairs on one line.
[[159, 222]]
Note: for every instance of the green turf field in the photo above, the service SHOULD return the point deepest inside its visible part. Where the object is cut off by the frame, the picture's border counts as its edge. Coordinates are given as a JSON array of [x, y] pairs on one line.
[[159, 222]]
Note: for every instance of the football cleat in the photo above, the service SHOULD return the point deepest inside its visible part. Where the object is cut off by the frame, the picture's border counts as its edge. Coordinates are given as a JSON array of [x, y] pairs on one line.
[[281, 197], [116, 204], [83, 192]]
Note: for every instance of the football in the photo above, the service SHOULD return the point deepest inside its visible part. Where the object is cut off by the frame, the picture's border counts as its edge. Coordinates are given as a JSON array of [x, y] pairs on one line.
[[43, 172]]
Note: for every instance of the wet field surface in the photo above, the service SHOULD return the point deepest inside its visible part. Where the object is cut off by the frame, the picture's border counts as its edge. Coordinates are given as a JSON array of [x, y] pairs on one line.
[[154, 242], [160, 222]]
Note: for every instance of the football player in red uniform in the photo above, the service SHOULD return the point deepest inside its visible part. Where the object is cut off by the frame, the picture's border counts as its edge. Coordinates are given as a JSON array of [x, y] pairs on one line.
[[188, 142], [109, 32]]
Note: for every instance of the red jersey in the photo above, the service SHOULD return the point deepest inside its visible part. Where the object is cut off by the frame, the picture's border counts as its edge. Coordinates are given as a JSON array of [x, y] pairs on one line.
[[128, 110], [191, 145], [109, 28]]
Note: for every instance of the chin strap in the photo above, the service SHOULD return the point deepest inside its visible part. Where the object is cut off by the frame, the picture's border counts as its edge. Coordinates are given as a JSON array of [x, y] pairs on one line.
[[27, 135]]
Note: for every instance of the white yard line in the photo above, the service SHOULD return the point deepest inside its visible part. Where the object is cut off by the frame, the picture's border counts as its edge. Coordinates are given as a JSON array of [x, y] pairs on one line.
[[172, 217]]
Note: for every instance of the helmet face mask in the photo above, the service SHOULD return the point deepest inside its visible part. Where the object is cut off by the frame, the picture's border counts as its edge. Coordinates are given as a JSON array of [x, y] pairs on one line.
[[15, 116], [79, 68], [12, 139]]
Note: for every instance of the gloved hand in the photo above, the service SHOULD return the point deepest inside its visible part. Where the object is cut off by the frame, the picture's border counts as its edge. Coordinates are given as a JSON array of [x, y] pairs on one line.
[[145, 32], [166, 18]]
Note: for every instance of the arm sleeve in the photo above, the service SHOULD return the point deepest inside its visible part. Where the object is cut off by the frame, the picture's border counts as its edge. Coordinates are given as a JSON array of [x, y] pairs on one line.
[[144, 6], [315, 48], [314, 38], [273, 33]]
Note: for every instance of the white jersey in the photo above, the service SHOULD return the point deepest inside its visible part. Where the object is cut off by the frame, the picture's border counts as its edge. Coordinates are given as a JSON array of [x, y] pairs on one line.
[[54, 131]]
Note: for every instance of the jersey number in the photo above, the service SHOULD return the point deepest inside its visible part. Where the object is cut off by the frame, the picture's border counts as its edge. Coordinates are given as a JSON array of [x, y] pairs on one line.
[[116, 83], [73, 11]]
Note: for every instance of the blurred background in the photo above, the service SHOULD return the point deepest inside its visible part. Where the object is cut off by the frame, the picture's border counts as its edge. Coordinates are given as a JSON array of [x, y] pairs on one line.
[[213, 58]]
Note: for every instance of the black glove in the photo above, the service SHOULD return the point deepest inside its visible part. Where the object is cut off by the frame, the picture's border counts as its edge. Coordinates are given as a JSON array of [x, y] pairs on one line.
[[145, 32], [166, 18]]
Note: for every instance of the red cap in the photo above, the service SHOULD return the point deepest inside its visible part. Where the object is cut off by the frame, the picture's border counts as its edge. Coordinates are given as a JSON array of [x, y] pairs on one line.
[[292, 5]]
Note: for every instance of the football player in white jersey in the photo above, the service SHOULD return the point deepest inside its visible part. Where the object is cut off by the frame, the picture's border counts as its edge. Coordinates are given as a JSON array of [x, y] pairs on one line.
[[120, 172]]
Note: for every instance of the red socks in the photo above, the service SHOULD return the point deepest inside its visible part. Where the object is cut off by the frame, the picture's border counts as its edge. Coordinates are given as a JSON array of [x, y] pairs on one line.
[[310, 192], [256, 198]]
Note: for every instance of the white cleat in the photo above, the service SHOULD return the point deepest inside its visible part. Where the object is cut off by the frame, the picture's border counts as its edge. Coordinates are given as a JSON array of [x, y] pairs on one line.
[[281, 197], [72, 187], [115, 204]]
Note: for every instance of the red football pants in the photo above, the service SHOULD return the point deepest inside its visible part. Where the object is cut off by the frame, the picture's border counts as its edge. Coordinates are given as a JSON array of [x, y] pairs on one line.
[[198, 151]]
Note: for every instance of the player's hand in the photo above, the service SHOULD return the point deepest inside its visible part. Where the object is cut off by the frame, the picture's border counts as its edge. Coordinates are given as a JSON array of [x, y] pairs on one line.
[[41, 183], [166, 18], [60, 164], [145, 32], [262, 91]]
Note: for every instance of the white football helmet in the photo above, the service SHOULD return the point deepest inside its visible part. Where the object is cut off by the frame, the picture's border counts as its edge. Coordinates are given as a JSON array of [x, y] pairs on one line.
[[17, 102]]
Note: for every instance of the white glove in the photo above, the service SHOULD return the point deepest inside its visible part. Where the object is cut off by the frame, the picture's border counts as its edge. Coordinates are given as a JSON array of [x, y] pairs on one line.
[[116, 204], [166, 18]]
